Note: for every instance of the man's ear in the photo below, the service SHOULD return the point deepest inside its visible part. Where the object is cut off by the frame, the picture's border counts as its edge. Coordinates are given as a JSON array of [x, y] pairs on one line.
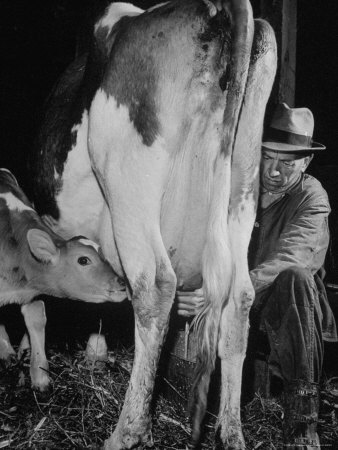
[[306, 162], [42, 246]]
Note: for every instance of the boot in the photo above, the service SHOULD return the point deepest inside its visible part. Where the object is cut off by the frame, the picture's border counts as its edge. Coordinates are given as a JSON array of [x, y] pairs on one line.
[[301, 406]]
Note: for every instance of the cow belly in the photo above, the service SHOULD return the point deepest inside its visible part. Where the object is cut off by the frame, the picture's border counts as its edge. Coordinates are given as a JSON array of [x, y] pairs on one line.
[[188, 268], [80, 200], [183, 234], [185, 208], [80, 209]]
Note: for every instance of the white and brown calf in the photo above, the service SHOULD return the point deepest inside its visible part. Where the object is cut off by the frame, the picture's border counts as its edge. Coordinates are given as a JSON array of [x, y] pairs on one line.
[[33, 261]]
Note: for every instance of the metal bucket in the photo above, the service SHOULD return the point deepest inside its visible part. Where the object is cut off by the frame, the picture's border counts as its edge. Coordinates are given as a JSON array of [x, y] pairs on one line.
[[178, 366], [178, 363]]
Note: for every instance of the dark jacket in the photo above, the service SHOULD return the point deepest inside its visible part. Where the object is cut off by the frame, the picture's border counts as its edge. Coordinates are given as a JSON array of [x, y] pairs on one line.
[[293, 231]]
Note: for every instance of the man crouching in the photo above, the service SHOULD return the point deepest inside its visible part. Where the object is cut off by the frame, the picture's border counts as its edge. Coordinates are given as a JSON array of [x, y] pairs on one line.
[[286, 257]]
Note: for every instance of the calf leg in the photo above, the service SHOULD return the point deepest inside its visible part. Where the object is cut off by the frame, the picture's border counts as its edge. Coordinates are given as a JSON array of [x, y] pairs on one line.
[[35, 319], [7, 352], [24, 346]]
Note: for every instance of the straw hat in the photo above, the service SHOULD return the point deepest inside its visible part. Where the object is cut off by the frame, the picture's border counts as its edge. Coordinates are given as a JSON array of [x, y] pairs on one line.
[[291, 130]]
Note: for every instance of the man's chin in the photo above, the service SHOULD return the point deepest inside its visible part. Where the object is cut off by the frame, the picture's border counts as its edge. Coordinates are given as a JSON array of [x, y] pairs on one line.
[[273, 187]]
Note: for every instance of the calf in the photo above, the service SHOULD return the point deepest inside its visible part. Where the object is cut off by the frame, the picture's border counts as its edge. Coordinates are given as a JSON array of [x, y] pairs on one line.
[[35, 261]]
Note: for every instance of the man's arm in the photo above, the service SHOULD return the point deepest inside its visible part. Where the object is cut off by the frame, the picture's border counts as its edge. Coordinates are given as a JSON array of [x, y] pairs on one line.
[[303, 244]]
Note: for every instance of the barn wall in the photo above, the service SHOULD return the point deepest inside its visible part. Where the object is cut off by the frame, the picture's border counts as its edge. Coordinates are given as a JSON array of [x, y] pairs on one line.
[[40, 38]]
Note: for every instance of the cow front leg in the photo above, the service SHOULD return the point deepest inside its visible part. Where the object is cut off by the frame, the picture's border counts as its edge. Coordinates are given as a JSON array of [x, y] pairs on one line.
[[152, 302], [35, 320]]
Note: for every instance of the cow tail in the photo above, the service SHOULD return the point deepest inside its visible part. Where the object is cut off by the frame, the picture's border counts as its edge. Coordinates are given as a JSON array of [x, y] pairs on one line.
[[217, 261], [217, 273]]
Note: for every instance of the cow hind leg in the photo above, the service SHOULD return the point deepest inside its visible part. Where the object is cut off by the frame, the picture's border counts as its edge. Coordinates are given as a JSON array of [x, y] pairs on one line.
[[244, 192], [152, 300], [234, 324], [232, 349]]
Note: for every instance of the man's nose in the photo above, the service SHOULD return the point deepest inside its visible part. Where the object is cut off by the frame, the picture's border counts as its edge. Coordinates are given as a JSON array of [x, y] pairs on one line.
[[274, 170]]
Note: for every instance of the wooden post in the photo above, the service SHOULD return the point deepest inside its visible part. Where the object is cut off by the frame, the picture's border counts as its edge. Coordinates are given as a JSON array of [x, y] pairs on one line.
[[288, 52], [282, 15]]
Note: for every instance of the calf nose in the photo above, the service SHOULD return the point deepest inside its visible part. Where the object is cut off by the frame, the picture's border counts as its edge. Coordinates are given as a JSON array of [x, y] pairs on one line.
[[118, 284]]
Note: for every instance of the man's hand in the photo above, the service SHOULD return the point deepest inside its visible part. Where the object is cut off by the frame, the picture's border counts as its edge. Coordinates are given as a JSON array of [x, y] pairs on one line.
[[189, 303]]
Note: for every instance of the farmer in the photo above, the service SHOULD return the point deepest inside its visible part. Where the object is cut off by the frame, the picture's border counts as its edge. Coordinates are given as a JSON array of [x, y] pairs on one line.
[[286, 257]]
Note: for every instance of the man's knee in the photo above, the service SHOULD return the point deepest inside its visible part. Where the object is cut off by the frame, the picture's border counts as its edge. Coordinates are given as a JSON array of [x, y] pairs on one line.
[[295, 274], [295, 286]]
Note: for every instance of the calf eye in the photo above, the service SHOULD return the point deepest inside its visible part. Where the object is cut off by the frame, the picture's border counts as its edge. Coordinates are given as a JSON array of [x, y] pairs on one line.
[[84, 261]]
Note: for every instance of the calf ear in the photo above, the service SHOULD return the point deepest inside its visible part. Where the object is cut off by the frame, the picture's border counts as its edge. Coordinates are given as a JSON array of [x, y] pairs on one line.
[[42, 246]]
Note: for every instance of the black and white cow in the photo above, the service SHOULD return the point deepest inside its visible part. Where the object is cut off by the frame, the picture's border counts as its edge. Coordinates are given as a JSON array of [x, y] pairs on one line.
[[151, 146], [34, 260]]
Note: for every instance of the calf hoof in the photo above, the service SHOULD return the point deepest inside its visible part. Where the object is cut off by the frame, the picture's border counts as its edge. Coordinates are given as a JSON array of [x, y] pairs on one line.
[[8, 360], [42, 389], [41, 383], [42, 393]]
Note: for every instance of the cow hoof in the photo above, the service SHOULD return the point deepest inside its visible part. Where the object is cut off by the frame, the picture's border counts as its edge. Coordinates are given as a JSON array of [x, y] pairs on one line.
[[228, 446], [234, 440], [128, 442]]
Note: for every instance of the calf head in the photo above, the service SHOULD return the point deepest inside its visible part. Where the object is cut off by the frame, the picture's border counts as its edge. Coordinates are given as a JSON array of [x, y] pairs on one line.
[[73, 269]]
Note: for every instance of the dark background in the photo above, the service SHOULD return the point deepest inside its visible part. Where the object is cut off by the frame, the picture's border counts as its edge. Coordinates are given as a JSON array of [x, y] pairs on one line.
[[39, 38]]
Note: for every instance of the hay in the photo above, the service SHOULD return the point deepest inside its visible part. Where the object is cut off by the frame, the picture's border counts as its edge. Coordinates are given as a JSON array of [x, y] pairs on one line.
[[85, 401], [328, 416]]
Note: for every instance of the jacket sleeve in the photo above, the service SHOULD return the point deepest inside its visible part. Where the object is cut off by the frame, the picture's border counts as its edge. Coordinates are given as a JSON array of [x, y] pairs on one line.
[[303, 243]]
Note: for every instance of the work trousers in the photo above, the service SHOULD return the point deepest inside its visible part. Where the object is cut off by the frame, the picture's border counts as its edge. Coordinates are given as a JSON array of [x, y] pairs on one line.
[[289, 314]]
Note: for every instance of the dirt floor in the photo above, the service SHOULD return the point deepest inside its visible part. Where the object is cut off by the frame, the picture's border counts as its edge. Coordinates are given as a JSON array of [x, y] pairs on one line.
[[84, 403]]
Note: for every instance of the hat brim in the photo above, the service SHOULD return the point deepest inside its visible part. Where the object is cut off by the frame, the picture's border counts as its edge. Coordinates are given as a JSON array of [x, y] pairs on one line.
[[281, 147]]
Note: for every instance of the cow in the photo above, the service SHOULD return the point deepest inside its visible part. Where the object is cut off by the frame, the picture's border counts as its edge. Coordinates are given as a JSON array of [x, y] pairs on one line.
[[35, 261], [151, 146]]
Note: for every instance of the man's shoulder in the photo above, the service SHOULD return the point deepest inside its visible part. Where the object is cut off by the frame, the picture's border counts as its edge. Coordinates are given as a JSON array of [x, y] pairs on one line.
[[310, 183], [313, 189]]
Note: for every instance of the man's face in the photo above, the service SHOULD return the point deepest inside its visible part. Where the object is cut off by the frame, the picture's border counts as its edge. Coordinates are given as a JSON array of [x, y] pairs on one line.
[[280, 170]]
